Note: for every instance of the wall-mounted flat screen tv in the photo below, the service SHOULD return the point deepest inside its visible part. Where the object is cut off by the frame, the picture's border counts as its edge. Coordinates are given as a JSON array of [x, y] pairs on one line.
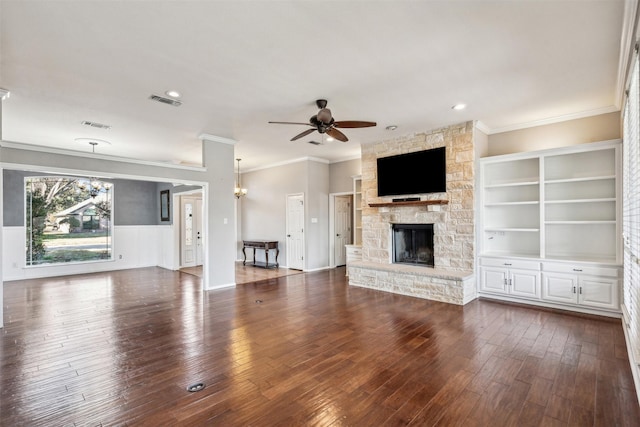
[[413, 173]]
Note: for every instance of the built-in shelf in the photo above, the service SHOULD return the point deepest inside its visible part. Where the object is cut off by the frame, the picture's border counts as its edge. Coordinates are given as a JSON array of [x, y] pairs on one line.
[[409, 203]]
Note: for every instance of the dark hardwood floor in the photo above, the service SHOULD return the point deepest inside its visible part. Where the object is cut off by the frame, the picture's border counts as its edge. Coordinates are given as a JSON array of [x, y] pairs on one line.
[[121, 348]]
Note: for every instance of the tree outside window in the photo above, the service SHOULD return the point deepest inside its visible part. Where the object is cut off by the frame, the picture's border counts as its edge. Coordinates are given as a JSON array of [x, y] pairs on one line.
[[68, 219]]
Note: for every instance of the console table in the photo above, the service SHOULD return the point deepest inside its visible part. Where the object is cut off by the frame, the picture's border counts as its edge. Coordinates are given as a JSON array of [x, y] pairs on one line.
[[265, 245]]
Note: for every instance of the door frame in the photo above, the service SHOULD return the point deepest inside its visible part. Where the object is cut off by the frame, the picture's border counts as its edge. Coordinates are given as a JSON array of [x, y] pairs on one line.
[[332, 224], [177, 223], [286, 229]]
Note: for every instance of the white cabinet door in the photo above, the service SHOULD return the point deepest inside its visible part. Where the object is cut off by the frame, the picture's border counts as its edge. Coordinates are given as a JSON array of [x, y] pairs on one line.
[[560, 287], [494, 280], [598, 292], [524, 283]]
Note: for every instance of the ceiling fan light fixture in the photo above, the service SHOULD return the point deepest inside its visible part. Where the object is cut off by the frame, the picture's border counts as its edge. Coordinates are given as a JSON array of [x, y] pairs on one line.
[[173, 93], [391, 127], [459, 107]]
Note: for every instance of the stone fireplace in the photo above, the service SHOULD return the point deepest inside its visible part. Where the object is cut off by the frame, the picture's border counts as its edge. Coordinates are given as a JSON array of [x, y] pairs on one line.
[[412, 244], [450, 215]]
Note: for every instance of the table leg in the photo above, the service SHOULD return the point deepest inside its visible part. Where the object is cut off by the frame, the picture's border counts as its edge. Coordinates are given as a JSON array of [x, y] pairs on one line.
[[266, 256], [277, 253], [254, 256], [245, 256]]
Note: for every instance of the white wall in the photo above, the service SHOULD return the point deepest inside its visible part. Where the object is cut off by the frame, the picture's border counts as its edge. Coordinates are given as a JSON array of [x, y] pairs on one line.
[[133, 247], [262, 212]]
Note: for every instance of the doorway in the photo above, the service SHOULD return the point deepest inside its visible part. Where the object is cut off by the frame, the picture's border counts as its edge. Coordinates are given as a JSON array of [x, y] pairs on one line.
[[191, 236], [295, 231], [340, 227]]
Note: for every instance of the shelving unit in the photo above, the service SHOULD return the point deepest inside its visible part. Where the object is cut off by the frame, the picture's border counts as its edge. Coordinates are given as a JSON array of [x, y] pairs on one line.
[[560, 210], [357, 210], [354, 251], [511, 202]]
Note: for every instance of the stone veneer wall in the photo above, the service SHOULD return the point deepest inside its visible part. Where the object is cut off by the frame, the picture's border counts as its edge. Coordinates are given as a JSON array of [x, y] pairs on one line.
[[453, 223]]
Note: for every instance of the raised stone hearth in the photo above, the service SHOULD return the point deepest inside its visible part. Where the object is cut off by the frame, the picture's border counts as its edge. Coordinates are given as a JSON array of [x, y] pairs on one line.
[[451, 279], [454, 287]]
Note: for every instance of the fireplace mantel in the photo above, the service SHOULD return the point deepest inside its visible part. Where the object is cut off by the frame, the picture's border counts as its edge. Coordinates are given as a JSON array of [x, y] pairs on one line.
[[409, 203]]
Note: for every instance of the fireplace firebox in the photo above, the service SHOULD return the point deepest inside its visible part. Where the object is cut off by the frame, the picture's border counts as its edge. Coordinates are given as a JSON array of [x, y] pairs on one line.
[[413, 244]]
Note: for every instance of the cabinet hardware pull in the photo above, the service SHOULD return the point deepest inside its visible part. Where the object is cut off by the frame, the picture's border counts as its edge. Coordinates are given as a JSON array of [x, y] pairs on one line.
[[510, 283], [506, 263], [577, 269], [580, 290], [574, 289], [505, 281]]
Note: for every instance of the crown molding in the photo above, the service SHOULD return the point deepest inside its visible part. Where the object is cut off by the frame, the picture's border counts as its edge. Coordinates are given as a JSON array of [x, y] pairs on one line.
[[627, 45], [482, 127], [215, 138]]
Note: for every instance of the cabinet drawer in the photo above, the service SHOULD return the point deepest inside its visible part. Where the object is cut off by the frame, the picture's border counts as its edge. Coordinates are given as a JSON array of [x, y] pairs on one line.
[[354, 250], [591, 270], [510, 263]]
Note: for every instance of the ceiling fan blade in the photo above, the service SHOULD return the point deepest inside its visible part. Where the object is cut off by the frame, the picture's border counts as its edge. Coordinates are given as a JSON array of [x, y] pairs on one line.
[[300, 135], [291, 123], [335, 133], [354, 124]]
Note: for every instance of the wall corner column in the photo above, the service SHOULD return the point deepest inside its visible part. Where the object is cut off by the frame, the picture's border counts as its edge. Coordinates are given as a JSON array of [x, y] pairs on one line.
[[4, 94], [220, 223]]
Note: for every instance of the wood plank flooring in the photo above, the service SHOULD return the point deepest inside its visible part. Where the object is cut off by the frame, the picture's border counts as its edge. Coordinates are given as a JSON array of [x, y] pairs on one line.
[[120, 348]]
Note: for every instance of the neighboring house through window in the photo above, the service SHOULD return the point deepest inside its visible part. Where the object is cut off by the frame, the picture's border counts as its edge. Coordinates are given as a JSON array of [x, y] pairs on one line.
[[68, 219]]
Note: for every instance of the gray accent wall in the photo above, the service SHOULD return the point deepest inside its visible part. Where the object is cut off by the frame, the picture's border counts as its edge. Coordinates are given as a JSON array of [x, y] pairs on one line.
[[135, 202]]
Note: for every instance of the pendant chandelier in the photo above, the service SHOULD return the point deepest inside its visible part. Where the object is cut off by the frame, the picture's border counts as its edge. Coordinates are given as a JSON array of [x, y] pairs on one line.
[[94, 186], [239, 191]]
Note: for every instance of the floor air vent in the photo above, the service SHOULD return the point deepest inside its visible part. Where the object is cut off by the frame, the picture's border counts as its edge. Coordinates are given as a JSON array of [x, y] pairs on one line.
[[165, 100]]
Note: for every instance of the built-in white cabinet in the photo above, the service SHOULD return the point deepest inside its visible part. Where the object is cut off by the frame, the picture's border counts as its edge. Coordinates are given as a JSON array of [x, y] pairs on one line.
[[586, 285], [510, 277], [557, 208]]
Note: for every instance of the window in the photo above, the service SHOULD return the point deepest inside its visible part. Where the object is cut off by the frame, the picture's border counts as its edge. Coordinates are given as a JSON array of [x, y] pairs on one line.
[[68, 219], [631, 209]]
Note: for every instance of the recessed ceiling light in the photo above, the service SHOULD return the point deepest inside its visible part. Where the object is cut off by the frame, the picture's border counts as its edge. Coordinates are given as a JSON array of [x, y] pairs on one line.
[[173, 93], [391, 127], [329, 139], [459, 107]]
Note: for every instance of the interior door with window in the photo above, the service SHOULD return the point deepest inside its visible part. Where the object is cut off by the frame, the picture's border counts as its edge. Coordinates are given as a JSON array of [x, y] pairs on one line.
[[190, 231], [295, 231]]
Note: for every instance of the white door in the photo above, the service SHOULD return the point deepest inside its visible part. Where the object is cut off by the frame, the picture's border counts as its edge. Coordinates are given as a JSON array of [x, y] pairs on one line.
[[342, 226], [190, 231], [199, 236], [295, 231]]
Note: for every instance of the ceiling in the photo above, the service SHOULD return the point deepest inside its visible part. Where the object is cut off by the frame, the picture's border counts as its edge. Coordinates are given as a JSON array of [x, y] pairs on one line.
[[240, 64]]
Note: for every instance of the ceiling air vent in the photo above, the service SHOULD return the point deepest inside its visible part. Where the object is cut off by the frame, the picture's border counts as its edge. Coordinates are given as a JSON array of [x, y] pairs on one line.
[[165, 100], [96, 125]]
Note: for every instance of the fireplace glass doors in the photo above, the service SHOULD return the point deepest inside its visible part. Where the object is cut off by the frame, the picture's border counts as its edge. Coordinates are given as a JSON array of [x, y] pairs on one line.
[[413, 244]]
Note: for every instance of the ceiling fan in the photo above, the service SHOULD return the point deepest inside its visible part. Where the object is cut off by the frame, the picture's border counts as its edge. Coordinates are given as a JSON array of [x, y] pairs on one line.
[[324, 122]]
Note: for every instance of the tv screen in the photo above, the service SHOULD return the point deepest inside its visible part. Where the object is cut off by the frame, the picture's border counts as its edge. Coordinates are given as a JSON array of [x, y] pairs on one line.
[[413, 173]]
